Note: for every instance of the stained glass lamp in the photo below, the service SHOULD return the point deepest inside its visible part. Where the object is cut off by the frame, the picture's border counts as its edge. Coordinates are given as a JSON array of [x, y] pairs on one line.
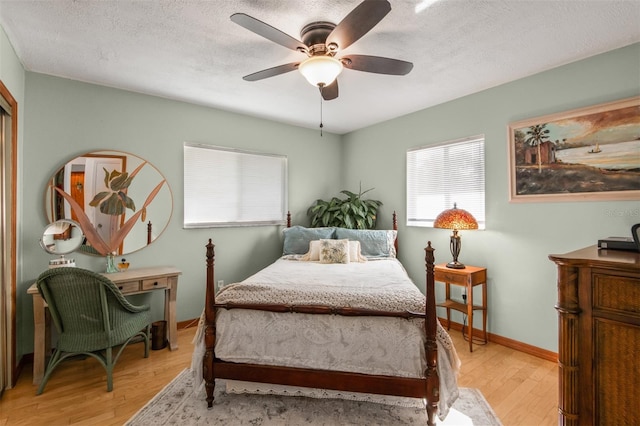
[[455, 219]]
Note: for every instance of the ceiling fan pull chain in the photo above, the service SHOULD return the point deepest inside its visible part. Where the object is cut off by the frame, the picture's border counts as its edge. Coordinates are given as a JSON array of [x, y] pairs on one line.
[[321, 125]]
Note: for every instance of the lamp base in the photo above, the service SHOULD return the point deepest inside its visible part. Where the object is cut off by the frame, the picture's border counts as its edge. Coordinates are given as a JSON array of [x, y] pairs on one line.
[[455, 265]]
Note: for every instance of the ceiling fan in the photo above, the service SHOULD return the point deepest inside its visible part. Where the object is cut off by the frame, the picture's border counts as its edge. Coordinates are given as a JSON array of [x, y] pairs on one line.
[[322, 41]]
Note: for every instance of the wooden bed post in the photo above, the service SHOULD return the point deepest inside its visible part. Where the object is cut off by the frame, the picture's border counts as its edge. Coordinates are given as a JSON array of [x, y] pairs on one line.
[[431, 347], [288, 219], [395, 228], [210, 328], [149, 234]]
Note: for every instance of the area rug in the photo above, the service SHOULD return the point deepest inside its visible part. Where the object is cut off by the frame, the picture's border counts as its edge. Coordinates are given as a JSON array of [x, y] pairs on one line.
[[177, 404]]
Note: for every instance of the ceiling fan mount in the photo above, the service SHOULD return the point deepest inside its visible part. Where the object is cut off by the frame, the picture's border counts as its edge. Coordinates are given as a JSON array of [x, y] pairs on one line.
[[324, 38], [314, 36]]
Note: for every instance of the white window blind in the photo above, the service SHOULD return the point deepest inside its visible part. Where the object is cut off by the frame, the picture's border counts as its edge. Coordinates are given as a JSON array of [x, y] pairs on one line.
[[228, 187], [440, 175]]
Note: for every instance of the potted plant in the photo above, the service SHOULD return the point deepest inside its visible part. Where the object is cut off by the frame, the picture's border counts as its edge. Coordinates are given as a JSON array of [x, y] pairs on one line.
[[352, 212]]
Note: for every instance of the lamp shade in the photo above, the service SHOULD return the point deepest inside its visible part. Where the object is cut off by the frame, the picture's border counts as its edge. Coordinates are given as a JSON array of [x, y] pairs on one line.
[[320, 70], [456, 219]]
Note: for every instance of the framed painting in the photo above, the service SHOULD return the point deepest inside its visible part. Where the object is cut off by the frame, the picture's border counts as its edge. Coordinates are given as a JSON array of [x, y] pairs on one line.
[[585, 154]]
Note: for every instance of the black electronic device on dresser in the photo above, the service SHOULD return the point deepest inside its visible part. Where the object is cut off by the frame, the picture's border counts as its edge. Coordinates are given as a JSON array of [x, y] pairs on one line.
[[623, 243]]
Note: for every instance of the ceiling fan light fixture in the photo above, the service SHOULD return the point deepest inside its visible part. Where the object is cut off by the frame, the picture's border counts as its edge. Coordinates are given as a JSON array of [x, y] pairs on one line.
[[320, 70]]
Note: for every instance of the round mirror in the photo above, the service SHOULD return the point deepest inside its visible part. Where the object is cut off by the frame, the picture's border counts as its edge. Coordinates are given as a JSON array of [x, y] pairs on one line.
[[62, 237], [121, 202]]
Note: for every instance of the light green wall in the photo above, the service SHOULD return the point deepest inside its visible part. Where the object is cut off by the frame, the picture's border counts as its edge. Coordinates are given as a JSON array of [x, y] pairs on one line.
[[66, 118], [519, 237], [11, 70]]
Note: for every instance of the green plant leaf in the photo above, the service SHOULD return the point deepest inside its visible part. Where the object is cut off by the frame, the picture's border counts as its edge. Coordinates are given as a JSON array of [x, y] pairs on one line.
[[113, 205], [120, 182], [349, 194], [98, 197], [106, 177], [326, 218], [128, 202], [348, 222], [370, 222], [114, 174]]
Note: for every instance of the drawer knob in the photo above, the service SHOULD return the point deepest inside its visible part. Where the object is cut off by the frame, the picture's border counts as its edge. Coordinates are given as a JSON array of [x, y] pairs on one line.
[[119, 287], [155, 283]]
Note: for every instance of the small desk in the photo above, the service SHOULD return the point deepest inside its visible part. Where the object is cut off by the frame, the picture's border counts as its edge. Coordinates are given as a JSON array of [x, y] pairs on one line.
[[133, 281], [468, 277]]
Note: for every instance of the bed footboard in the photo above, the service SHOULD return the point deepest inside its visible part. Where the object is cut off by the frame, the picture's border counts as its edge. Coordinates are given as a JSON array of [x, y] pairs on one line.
[[427, 388]]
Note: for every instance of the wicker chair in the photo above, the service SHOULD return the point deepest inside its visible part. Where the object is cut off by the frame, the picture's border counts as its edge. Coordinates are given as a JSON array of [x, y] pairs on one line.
[[91, 316]]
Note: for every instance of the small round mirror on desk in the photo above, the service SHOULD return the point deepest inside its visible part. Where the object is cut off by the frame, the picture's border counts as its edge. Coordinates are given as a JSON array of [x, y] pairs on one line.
[[62, 237]]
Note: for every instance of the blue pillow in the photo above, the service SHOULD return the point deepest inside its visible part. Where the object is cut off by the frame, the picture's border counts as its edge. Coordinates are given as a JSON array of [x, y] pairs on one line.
[[297, 238], [374, 243]]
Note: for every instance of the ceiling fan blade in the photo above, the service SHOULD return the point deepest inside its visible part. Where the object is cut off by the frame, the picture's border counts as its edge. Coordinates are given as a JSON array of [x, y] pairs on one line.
[[377, 64], [272, 72], [330, 92], [267, 31], [358, 22]]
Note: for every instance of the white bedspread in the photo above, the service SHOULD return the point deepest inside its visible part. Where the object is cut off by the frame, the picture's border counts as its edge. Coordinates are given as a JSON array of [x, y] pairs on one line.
[[370, 345]]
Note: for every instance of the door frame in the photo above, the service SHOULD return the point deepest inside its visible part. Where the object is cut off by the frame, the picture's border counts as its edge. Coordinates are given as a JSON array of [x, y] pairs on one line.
[[9, 260]]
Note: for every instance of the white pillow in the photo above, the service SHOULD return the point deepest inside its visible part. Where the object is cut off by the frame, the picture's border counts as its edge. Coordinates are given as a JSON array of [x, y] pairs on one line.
[[314, 251], [355, 255], [334, 251]]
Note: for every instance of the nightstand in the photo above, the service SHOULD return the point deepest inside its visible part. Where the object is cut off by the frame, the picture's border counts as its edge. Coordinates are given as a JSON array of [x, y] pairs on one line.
[[468, 277]]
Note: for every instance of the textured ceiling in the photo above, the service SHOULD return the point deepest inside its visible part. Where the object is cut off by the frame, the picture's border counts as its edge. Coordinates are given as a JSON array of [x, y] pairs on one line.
[[190, 50]]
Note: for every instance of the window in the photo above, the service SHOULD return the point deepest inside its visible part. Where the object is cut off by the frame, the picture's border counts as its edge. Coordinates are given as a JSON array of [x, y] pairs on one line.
[[228, 187], [440, 175]]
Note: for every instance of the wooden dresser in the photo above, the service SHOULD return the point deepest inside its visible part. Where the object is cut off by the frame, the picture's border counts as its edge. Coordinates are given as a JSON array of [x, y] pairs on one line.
[[599, 337]]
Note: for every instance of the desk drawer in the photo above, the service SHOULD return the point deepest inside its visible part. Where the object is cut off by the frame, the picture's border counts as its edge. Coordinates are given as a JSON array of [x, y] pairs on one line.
[[129, 286], [152, 283]]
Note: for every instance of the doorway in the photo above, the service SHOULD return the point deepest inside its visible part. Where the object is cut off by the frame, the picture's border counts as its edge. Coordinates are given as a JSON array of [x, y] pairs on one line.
[[8, 244]]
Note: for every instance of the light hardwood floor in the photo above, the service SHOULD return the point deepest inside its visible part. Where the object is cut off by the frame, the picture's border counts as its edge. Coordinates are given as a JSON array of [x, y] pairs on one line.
[[522, 389]]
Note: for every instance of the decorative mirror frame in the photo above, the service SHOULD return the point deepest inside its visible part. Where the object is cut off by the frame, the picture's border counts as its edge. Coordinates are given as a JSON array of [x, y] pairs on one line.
[[121, 201]]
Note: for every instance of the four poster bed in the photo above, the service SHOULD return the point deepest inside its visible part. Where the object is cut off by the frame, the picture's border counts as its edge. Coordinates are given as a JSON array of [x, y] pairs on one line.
[[330, 316]]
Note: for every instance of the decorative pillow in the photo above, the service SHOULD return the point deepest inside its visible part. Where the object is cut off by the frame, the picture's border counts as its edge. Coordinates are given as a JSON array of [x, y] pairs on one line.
[[297, 238], [334, 251], [374, 243], [313, 255]]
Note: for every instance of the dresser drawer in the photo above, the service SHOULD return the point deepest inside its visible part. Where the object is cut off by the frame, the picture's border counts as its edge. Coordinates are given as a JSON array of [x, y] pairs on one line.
[[616, 293], [152, 283], [129, 286]]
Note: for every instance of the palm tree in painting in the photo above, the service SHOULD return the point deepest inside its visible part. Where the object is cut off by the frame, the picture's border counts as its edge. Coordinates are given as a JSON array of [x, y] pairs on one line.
[[536, 136]]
